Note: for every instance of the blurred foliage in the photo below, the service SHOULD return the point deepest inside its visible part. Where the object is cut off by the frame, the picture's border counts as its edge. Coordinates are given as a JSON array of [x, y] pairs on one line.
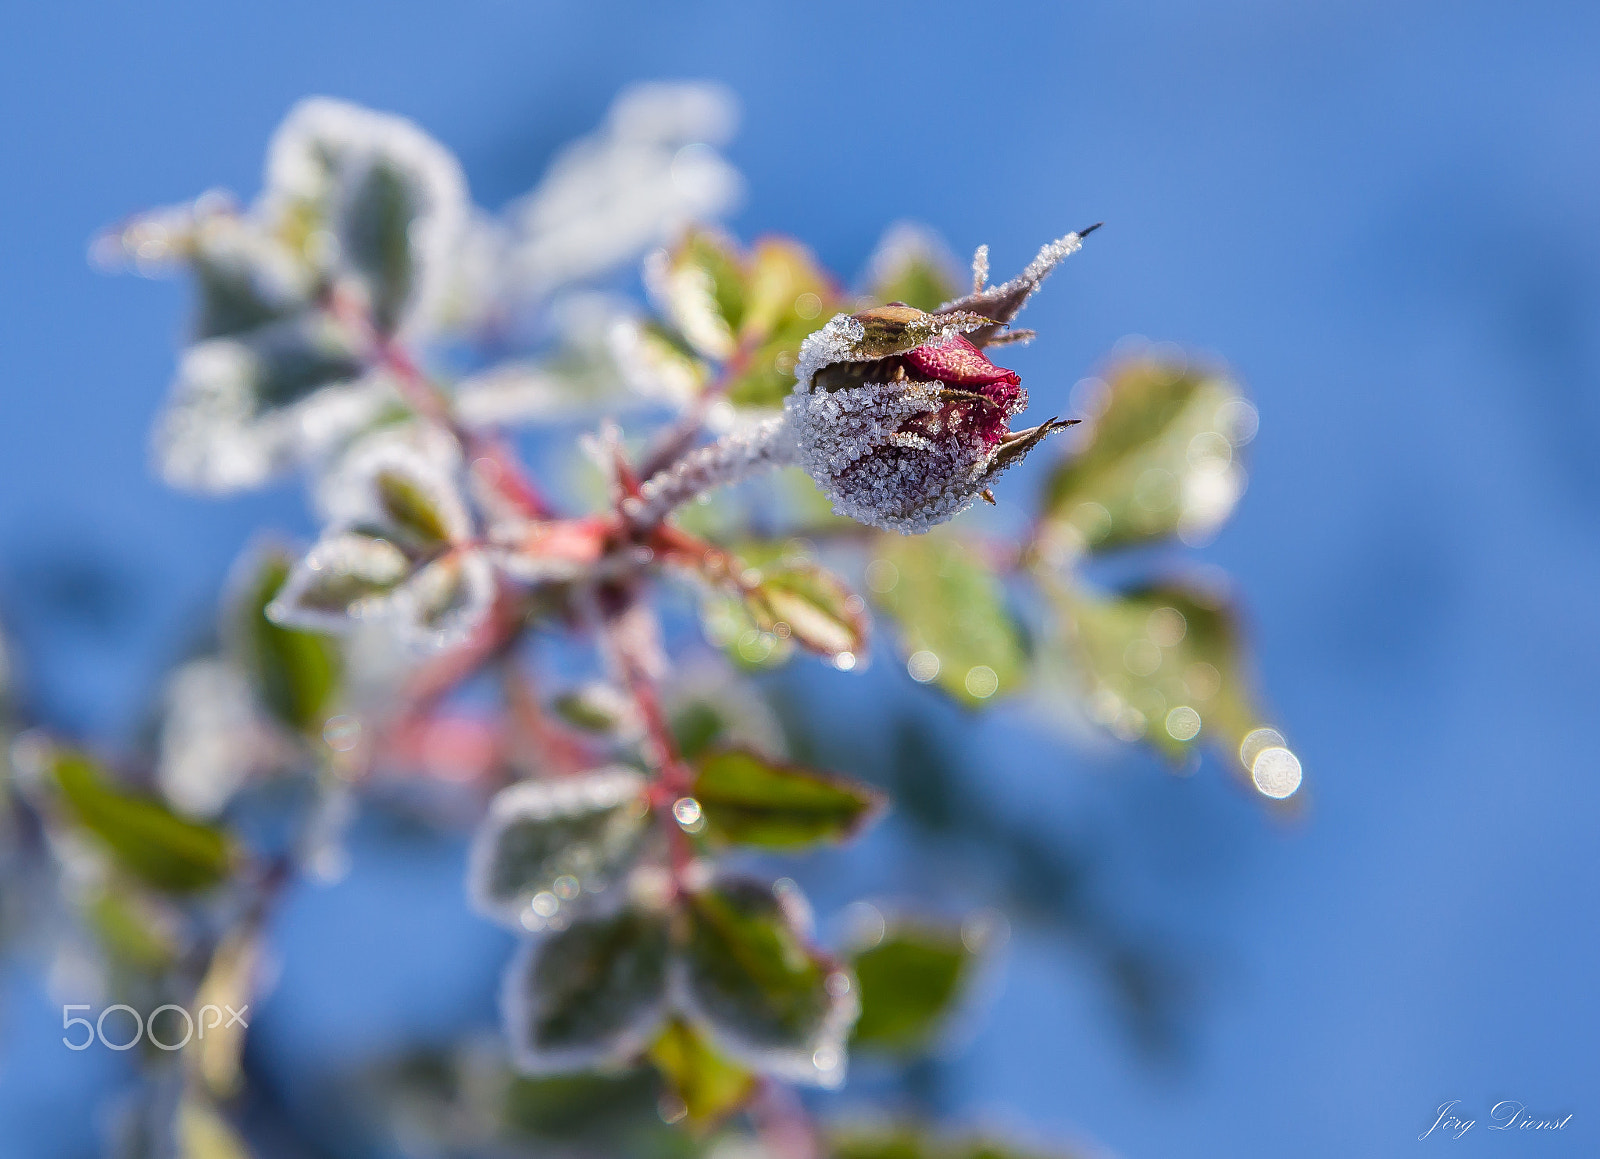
[[141, 834], [910, 977], [751, 801], [662, 999]]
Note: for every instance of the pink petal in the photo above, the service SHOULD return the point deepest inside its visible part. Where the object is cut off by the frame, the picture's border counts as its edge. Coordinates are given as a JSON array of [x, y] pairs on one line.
[[960, 363]]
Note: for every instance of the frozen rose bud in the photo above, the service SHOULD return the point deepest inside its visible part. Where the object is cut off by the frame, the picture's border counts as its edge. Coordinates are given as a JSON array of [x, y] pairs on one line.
[[901, 419]]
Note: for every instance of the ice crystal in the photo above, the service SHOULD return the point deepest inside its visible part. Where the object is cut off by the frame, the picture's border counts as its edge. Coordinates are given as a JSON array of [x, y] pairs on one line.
[[910, 452], [735, 456], [243, 410]]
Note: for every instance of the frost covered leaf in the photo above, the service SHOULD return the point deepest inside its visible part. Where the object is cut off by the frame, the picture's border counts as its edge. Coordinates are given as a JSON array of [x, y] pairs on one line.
[[912, 265], [748, 800], [795, 598], [376, 199], [700, 286], [400, 547], [950, 608], [544, 844], [658, 363], [245, 275], [588, 995], [296, 674], [347, 576], [244, 278], [1163, 664], [911, 979], [447, 599], [640, 180], [1160, 457], [143, 836], [401, 482], [766, 997], [243, 409], [710, 1086]]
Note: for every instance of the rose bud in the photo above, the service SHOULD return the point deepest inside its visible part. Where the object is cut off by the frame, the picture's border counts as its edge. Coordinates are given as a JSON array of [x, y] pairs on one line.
[[900, 417]]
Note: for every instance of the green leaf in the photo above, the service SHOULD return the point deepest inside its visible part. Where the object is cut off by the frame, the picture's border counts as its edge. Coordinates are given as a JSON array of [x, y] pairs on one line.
[[795, 598], [729, 624], [710, 1086], [412, 509], [132, 930], [447, 599], [766, 997], [1161, 663], [910, 980], [954, 625], [748, 800], [1160, 459], [295, 673], [589, 995], [348, 575], [145, 838], [244, 279], [544, 844], [236, 380]]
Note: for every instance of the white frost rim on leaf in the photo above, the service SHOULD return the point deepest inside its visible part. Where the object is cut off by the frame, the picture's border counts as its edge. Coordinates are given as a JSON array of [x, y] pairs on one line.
[[603, 790], [518, 1012], [323, 149], [822, 1059]]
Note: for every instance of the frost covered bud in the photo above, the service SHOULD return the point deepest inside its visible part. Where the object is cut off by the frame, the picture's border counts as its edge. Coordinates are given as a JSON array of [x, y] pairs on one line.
[[899, 415]]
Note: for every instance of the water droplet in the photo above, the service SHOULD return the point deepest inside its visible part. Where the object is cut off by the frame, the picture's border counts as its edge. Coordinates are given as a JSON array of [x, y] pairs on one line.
[[882, 576], [1183, 723], [342, 733], [687, 811], [1276, 772], [923, 666], [982, 682]]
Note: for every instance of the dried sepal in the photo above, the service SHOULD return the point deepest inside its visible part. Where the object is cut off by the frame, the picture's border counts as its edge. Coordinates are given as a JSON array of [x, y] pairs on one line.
[[1004, 302]]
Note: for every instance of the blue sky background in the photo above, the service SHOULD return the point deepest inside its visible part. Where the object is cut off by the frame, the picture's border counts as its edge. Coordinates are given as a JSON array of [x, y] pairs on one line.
[[1385, 216]]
